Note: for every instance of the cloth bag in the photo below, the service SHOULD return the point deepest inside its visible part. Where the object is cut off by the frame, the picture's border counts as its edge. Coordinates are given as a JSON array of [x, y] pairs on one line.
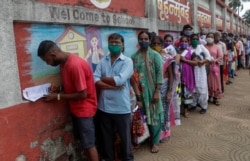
[[215, 69], [140, 131]]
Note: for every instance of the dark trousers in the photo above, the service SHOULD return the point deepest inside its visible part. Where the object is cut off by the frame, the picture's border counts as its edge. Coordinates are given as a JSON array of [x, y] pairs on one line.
[[109, 125], [221, 77], [247, 60], [239, 62]]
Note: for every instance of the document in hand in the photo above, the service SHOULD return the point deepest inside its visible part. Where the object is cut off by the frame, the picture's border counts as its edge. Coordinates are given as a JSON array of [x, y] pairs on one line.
[[36, 92]]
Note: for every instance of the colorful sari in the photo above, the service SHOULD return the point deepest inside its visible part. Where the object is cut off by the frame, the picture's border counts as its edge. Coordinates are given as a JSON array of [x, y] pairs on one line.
[[148, 74], [165, 133]]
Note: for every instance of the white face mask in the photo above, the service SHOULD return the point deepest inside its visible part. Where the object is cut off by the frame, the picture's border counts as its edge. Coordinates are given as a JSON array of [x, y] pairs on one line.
[[203, 37], [210, 40]]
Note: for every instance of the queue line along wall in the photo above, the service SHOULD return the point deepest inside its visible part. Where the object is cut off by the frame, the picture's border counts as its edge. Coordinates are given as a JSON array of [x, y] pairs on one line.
[[42, 130]]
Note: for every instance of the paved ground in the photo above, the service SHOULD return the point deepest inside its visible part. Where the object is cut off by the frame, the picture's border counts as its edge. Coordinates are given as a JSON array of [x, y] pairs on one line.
[[222, 134]]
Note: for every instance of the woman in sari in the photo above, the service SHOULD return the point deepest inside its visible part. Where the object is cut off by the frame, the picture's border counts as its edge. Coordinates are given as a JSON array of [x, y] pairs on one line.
[[187, 74], [168, 92], [149, 76], [214, 82]]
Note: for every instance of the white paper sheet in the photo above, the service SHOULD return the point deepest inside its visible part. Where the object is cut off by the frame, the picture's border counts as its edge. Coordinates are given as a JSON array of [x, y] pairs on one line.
[[36, 92]]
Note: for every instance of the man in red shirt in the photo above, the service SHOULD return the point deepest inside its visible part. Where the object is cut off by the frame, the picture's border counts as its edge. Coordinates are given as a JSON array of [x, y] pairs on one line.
[[79, 90]]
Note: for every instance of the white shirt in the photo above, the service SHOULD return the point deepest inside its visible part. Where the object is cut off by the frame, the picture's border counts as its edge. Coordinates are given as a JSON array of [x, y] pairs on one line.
[[200, 73], [171, 50]]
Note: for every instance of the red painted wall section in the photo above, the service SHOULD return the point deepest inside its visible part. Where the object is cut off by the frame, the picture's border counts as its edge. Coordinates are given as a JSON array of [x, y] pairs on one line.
[[130, 7], [204, 18], [174, 11], [22, 57], [29, 123]]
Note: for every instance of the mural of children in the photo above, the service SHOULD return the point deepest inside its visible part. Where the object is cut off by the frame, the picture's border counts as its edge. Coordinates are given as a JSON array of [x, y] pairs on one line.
[[95, 52]]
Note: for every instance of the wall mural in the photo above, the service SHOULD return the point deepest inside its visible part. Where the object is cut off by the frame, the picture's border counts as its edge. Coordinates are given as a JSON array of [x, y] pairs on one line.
[[89, 43]]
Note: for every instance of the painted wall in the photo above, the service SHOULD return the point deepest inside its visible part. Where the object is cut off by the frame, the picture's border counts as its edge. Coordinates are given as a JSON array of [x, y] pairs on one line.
[[137, 9], [42, 131]]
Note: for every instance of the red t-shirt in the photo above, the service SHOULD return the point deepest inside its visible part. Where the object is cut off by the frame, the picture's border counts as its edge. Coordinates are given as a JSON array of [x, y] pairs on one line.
[[77, 76]]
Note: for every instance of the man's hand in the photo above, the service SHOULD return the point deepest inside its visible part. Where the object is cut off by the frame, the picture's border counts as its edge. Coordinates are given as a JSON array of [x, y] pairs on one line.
[[120, 87], [53, 89], [50, 97]]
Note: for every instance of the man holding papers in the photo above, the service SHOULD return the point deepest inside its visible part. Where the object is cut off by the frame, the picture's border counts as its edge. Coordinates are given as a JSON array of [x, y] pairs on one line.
[[79, 90]]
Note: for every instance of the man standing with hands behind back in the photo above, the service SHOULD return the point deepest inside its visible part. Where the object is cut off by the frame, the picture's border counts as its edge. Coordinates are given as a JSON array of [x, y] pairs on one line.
[[112, 78], [79, 90]]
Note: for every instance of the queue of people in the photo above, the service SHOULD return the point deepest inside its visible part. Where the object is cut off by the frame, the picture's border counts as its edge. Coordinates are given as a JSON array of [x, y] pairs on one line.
[[168, 78]]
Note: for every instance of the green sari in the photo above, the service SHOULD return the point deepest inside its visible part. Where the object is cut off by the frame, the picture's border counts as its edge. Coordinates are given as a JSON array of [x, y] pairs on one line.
[[148, 74]]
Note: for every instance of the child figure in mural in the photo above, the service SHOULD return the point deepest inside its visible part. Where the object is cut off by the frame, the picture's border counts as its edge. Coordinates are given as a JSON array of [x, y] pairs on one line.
[[95, 52]]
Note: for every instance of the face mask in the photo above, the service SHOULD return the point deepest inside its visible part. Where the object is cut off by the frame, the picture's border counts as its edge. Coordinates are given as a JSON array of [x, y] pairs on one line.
[[194, 43], [157, 48], [144, 44], [188, 33], [183, 45], [203, 37], [210, 40], [115, 49], [166, 44]]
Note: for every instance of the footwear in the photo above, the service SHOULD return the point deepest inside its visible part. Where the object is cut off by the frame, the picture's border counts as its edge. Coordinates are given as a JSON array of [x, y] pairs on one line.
[[192, 109], [203, 111], [216, 102], [185, 113]]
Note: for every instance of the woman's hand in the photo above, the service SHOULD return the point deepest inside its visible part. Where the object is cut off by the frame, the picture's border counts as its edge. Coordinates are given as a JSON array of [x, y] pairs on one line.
[[168, 96], [156, 96], [139, 103]]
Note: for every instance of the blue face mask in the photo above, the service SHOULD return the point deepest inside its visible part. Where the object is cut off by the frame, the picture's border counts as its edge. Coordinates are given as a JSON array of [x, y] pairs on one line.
[[144, 44], [188, 33]]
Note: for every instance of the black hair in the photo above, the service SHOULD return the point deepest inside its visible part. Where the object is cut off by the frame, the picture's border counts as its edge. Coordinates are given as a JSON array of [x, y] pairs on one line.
[[168, 35], [210, 33], [116, 36], [193, 35], [142, 32], [182, 37], [157, 37], [45, 46]]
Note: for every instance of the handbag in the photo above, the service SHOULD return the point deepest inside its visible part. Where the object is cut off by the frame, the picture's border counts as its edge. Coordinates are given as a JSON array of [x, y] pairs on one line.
[[215, 69], [140, 131]]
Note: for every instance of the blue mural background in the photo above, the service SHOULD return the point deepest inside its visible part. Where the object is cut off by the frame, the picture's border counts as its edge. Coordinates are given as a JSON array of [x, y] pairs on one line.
[[40, 32]]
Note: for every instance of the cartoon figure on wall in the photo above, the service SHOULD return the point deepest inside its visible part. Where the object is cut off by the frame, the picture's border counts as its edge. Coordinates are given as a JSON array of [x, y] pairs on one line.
[[95, 51]]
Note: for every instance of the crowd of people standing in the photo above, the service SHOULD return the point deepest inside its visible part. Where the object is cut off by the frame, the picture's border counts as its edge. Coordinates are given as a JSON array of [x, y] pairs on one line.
[[167, 78]]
